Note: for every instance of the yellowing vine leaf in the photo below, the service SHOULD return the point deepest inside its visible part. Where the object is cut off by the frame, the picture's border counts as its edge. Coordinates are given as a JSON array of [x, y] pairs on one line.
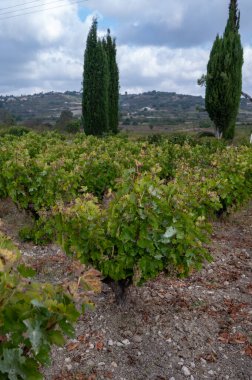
[[91, 280]]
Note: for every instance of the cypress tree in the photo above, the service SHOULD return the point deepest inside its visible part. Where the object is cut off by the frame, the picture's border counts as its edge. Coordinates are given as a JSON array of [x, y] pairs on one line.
[[224, 76], [95, 85], [213, 87], [113, 88]]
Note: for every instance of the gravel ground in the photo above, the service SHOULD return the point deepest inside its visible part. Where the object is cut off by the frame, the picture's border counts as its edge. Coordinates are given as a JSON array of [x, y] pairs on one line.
[[197, 328]]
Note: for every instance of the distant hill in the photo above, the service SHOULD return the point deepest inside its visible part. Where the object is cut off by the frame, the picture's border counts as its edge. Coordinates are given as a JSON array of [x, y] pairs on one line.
[[153, 107], [46, 107]]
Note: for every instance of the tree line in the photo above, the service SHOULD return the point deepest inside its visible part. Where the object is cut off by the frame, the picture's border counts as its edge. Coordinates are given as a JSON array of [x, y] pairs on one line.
[[223, 80]]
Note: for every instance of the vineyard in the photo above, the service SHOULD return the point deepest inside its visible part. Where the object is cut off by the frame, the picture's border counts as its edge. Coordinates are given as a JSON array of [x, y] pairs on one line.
[[129, 209]]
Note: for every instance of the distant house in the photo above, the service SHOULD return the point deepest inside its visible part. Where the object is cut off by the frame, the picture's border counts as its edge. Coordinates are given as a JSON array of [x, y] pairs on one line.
[[147, 109]]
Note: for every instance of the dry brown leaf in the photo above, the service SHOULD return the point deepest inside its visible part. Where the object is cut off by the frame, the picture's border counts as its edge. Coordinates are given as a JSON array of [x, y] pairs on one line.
[[99, 346], [72, 287], [93, 272], [82, 338], [77, 267], [91, 280], [238, 339], [249, 289], [80, 376], [72, 346], [248, 351], [92, 377], [224, 337], [210, 357], [235, 309]]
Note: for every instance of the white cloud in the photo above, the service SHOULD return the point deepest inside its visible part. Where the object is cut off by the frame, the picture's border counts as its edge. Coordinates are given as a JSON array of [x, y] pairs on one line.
[[162, 68], [43, 50], [247, 70]]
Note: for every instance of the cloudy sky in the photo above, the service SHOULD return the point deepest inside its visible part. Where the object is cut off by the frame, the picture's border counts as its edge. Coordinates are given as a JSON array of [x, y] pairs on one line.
[[161, 44]]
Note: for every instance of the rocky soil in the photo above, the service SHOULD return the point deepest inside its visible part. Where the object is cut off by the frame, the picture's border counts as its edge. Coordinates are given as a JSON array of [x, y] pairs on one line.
[[197, 328]]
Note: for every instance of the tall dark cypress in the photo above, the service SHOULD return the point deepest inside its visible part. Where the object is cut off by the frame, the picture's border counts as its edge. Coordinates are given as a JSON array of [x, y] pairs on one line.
[[214, 90], [224, 76], [232, 44], [113, 88], [95, 85]]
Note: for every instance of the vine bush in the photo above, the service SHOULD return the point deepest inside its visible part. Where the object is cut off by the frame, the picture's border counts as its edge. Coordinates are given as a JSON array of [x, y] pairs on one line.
[[33, 317]]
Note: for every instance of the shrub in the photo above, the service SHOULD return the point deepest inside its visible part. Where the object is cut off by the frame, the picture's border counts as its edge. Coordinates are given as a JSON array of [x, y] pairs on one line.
[[16, 131], [73, 126]]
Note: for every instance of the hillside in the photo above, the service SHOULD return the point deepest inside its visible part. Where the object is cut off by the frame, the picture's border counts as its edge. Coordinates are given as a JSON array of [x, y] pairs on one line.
[[149, 108]]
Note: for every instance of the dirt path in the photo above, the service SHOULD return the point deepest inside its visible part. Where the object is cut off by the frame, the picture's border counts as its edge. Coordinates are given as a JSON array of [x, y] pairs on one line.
[[198, 328]]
